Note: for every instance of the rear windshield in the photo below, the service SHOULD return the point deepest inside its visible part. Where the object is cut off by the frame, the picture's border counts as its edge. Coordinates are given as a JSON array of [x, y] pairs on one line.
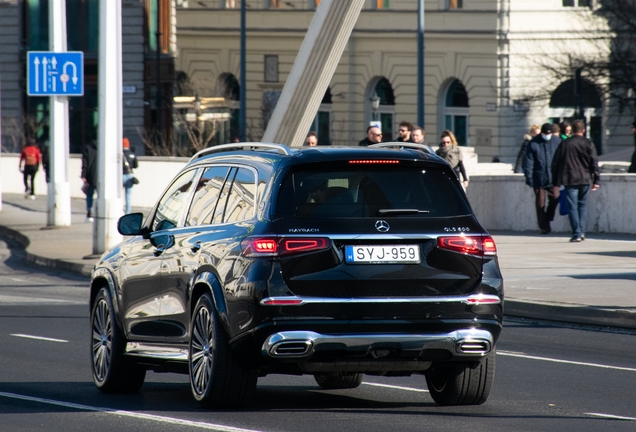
[[367, 191]]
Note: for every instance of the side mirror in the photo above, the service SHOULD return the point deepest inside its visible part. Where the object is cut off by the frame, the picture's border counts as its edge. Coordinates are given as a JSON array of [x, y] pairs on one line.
[[130, 224]]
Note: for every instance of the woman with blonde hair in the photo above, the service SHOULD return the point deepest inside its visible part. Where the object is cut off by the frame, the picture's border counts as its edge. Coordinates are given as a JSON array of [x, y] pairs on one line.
[[534, 130], [452, 154]]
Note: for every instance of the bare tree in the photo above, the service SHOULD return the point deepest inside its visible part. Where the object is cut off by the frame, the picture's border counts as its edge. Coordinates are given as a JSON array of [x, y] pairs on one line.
[[608, 60]]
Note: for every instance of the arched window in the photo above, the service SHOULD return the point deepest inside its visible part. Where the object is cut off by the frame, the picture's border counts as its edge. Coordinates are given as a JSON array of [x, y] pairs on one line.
[[455, 109], [567, 103], [231, 90], [322, 122], [385, 113]]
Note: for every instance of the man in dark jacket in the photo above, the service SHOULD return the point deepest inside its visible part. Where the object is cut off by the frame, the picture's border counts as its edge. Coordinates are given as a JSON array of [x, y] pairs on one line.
[[574, 166], [89, 175], [536, 166], [374, 136]]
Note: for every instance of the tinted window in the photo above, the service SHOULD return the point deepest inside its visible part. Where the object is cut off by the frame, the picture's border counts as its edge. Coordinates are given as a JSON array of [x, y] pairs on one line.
[[217, 217], [240, 203], [206, 195], [174, 203], [364, 191]]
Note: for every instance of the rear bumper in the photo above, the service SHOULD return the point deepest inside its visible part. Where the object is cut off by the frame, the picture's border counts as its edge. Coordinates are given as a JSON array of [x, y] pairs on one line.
[[468, 343]]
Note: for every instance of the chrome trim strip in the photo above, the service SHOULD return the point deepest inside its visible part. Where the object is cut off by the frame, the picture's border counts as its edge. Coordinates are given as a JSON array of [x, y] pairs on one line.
[[479, 298], [156, 352], [452, 341]]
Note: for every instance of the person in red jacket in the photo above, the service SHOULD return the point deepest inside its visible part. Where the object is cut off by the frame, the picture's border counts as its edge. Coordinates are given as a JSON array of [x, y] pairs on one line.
[[31, 156]]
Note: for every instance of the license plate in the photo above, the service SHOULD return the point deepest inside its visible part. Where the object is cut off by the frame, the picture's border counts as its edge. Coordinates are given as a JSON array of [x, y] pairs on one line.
[[382, 254]]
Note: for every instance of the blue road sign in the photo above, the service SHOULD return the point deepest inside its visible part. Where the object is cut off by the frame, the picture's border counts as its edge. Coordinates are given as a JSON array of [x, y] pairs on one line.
[[55, 73]]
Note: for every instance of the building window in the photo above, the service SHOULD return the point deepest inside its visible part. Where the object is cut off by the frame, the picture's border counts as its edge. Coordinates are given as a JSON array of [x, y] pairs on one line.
[[82, 24], [579, 3], [456, 111], [273, 4], [566, 104], [382, 4], [163, 8], [454, 4], [385, 114], [322, 122]]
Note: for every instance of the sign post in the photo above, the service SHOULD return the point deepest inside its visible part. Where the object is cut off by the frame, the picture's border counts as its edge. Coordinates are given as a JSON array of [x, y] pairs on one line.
[[55, 73]]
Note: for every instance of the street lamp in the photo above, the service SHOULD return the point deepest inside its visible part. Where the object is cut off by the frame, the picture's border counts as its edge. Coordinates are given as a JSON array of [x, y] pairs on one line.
[[375, 104]]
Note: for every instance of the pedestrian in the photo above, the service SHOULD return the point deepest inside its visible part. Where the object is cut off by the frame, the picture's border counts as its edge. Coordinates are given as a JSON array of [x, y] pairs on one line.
[[575, 166], [312, 139], [404, 132], [46, 160], [129, 164], [534, 131], [537, 169], [451, 153], [374, 136], [30, 158], [89, 175], [565, 130], [418, 135], [632, 167]]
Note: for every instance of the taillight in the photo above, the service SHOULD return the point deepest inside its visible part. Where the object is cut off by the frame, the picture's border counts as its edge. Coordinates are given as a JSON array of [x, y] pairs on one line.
[[469, 245], [282, 246]]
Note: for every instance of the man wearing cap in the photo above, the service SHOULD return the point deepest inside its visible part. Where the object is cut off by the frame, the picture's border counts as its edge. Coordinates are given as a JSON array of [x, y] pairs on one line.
[[537, 169]]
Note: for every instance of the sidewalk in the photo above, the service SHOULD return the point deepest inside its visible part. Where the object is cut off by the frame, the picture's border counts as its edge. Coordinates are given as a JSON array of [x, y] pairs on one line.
[[546, 277]]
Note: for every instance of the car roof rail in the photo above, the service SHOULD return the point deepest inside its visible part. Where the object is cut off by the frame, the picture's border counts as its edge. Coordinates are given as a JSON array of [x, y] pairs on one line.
[[281, 148], [399, 145]]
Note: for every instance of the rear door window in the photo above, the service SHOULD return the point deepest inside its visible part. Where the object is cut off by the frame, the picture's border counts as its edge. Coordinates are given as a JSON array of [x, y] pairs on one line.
[[206, 195], [370, 192]]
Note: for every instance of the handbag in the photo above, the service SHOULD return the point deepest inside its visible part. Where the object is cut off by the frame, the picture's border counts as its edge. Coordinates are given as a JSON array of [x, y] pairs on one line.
[[563, 203], [85, 187], [134, 180]]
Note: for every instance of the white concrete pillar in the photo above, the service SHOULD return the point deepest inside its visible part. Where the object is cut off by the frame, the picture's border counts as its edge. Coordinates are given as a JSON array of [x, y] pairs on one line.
[[59, 192], [311, 73], [109, 152]]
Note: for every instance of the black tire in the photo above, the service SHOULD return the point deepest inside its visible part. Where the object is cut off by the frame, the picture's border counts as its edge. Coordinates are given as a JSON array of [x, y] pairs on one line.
[[339, 382], [216, 380], [462, 385], [112, 372]]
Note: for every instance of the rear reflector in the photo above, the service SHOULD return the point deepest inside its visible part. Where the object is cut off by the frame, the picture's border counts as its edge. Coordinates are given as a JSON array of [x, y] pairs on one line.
[[272, 301], [374, 161], [478, 299], [469, 245], [283, 246]]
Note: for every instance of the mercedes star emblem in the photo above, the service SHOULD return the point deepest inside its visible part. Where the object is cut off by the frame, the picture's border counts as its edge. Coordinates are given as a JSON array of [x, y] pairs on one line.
[[382, 226]]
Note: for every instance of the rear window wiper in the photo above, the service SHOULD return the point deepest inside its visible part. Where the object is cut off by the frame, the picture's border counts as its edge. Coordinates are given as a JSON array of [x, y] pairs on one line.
[[383, 212]]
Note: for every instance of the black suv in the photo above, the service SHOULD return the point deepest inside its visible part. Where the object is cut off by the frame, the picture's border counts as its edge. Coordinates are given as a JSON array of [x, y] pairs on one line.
[[335, 262]]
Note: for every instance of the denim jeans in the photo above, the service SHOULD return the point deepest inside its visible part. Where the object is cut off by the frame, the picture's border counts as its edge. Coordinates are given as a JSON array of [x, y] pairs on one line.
[[89, 199], [128, 184], [577, 198]]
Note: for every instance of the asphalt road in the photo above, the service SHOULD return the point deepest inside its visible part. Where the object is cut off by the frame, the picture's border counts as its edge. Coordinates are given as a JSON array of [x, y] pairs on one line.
[[548, 378]]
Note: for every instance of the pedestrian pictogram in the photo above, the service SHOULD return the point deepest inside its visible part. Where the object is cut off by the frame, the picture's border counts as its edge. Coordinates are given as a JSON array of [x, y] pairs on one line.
[[55, 73]]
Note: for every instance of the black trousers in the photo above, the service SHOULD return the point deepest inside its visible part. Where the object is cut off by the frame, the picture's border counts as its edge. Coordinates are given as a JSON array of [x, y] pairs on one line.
[[545, 214], [29, 178]]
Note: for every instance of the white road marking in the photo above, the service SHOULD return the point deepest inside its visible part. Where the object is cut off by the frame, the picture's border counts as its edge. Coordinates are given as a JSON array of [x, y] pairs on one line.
[[396, 387], [38, 337], [10, 299], [610, 416], [511, 354], [132, 414]]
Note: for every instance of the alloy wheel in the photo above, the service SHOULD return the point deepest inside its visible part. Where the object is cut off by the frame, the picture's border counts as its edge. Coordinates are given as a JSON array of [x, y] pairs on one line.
[[102, 340], [201, 351]]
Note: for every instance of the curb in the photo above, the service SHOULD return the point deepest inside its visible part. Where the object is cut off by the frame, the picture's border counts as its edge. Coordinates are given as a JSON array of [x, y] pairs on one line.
[[81, 269], [578, 314]]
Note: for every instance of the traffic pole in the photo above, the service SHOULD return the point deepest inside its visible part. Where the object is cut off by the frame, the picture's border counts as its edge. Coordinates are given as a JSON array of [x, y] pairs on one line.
[[109, 152], [59, 191]]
